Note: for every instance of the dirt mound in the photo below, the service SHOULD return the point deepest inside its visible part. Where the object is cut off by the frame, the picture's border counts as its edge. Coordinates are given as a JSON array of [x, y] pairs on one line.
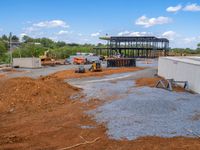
[[68, 74], [32, 94], [2, 75], [65, 124], [151, 82]]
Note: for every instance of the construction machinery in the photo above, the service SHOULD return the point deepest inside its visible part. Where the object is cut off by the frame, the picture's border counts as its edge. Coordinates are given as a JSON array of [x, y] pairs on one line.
[[46, 59], [96, 66], [79, 60], [81, 69]]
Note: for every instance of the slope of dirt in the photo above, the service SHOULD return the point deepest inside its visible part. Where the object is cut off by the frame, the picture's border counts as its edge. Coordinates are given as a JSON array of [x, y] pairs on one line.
[[2, 75], [151, 82], [38, 114], [68, 74], [32, 95], [63, 127]]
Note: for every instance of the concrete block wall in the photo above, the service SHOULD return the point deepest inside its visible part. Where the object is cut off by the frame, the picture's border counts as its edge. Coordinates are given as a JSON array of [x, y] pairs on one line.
[[170, 68], [27, 62]]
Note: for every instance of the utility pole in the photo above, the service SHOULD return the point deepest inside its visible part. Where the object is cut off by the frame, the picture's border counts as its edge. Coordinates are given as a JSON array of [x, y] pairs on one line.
[[10, 49]]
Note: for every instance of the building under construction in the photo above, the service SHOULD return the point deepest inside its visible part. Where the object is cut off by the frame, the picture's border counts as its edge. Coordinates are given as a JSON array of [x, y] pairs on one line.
[[134, 47]]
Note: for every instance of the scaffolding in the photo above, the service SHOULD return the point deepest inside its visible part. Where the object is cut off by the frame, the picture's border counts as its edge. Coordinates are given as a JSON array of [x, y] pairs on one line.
[[134, 47]]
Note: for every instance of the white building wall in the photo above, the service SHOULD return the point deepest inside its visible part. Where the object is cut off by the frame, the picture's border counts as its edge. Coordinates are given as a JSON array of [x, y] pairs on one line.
[[27, 62], [169, 68]]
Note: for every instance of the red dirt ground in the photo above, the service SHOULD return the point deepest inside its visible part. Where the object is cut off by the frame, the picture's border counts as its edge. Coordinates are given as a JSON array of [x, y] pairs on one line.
[[2, 75], [38, 114], [151, 82], [68, 74]]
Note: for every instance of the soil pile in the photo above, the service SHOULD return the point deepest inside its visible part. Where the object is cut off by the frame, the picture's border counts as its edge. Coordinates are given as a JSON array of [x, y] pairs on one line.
[[151, 82], [2, 75], [32, 95], [63, 122], [69, 74]]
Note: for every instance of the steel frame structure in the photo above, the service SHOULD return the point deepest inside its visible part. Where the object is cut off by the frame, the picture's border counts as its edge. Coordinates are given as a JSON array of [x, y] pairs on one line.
[[134, 47]]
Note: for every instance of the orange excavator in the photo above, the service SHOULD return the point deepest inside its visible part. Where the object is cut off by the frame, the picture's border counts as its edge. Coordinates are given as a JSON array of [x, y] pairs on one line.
[[79, 60]]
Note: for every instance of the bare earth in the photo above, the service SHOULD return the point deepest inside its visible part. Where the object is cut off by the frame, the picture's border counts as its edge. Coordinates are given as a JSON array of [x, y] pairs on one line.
[[38, 114], [69, 74], [2, 75], [151, 82]]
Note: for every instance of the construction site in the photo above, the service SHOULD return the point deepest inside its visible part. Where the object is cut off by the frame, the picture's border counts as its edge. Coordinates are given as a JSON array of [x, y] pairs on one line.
[[136, 97]]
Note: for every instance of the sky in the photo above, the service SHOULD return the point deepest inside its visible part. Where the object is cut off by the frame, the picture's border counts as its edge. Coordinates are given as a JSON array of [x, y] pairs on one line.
[[84, 21]]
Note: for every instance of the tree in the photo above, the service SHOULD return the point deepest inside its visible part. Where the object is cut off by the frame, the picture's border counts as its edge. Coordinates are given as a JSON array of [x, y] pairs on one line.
[[15, 38], [27, 39], [198, 46], [46, 42], [73, 44], [4, 37], [60, 44], [2, 48]]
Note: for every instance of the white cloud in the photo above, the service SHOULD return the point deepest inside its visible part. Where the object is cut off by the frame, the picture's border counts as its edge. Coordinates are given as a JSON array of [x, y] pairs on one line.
[[95, 34], [51, 24], [169, 35], [192, 7], [44, 25], [128, 33], [149, 22], [30, 29], [54, 38], [21, 36], [124, 33], [174, 9], [190, 40], [63, 32], [187, 42]]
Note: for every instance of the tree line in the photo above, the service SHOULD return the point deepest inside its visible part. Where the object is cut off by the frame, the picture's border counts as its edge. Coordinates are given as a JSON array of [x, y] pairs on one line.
[[35, 47]]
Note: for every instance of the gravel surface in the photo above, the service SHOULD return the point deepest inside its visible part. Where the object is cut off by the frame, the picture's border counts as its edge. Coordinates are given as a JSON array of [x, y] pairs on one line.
[[130, 112], [111, 86], [150, 112], [44, 71]]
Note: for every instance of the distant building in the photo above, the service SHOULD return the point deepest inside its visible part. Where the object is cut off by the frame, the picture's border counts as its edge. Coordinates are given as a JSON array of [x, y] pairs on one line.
[[134, 46]]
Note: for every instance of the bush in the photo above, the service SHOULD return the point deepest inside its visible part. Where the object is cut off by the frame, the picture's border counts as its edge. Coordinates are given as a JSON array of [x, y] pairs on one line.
[[29, 50], [5, 58]]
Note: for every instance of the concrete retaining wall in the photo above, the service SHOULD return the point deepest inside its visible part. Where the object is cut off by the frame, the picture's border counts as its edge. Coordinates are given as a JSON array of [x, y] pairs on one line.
[[181, 70], [27, 62]]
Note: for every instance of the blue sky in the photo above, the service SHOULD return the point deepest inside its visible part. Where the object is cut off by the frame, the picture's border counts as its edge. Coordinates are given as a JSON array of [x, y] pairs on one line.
[[83, 21]]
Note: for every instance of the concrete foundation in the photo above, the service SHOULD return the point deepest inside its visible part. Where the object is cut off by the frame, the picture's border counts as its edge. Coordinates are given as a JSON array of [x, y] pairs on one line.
[[181, 69], [27, 62]]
